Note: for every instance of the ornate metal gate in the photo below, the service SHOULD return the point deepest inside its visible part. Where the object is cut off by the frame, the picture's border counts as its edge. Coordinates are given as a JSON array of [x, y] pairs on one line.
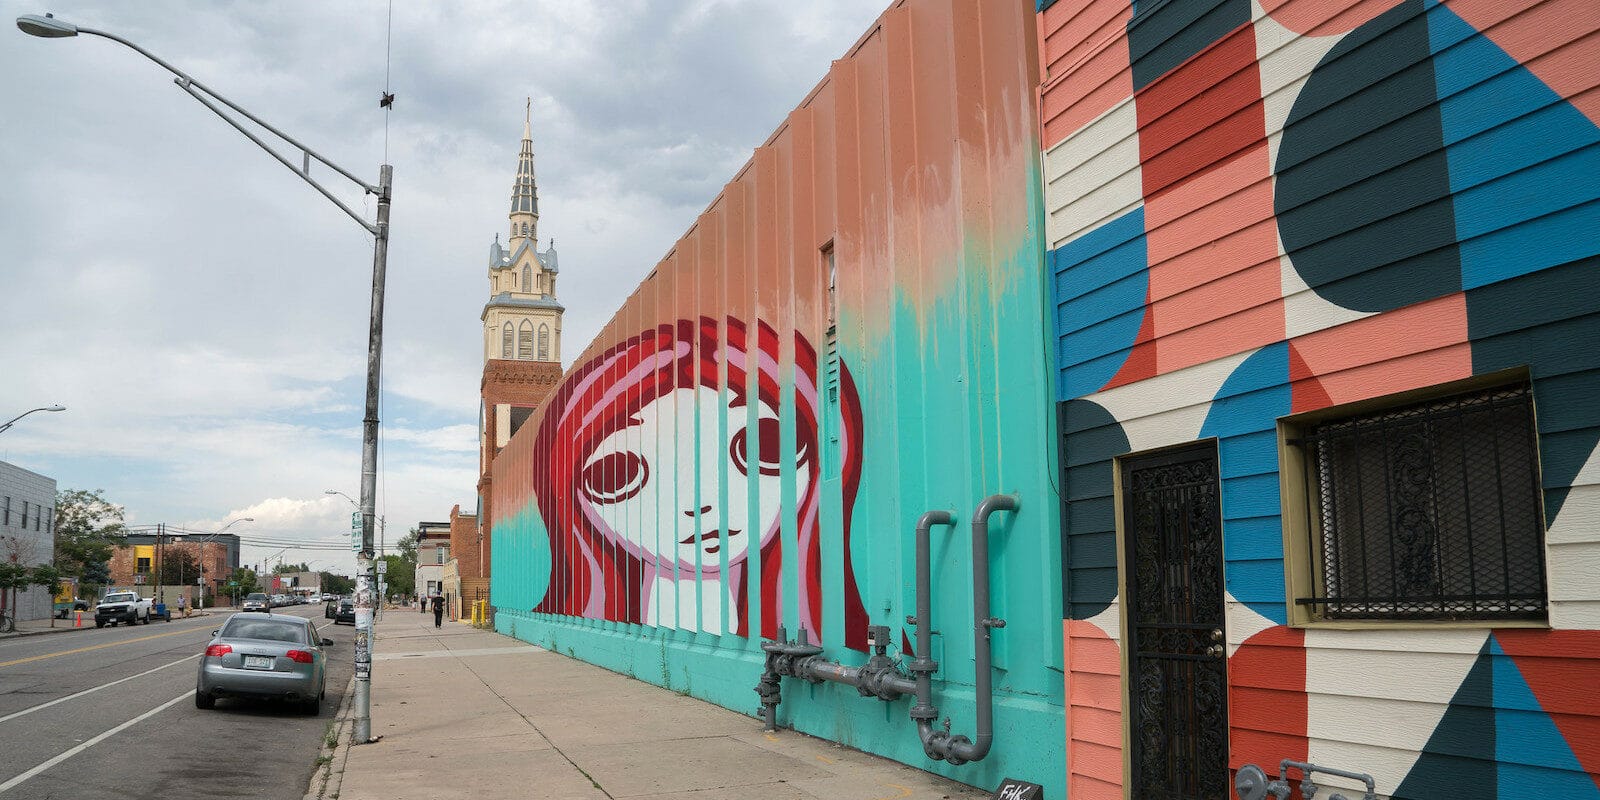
[[1178, 714]]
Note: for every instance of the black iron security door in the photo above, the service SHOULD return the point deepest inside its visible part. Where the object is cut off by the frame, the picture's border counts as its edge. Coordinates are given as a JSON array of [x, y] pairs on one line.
[[1178, 714]]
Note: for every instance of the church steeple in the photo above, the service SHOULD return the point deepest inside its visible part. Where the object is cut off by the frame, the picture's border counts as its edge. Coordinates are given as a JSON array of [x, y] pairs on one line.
[[522, 318], [525, 192]]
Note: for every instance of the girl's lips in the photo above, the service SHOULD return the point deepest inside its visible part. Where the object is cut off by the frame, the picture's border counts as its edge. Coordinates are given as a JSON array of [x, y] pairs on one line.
[[713, 537]]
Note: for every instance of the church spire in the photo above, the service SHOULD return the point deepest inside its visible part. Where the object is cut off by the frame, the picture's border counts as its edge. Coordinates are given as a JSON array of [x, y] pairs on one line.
[[525, 192]]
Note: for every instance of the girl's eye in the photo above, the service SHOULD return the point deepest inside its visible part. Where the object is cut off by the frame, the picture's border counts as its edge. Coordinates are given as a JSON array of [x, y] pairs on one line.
[[768, 448], [614, 477]]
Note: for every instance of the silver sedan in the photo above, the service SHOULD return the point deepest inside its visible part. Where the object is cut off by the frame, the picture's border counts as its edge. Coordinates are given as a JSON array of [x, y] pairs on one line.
[[268, 656]]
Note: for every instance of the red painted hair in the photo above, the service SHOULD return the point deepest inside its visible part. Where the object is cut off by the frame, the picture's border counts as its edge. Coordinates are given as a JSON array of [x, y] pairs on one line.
[[598, 574]]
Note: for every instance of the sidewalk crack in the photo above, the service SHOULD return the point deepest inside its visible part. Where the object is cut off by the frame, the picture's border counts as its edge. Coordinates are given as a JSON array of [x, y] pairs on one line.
[[530, 723]]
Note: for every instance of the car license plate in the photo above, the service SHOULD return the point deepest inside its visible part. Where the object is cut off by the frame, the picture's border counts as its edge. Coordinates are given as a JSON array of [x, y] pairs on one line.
[[258, 662]]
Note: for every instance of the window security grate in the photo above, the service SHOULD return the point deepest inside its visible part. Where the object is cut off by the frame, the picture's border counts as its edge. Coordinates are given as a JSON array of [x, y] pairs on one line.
[[1429, 511]]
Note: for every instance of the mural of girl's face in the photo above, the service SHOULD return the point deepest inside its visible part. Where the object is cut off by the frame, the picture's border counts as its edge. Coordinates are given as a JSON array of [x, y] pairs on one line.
[[628, 481]]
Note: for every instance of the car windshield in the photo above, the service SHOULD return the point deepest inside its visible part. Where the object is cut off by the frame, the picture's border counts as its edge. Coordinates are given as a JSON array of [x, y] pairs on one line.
[[121, 597], [271, 630], [256, 596]]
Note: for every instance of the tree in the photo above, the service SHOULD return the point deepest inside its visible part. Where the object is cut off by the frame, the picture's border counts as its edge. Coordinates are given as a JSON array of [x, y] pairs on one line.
[[282, 569], [337, 584], [402, 575], [88, 528], [408, 546], [245, 579], [178, 568]]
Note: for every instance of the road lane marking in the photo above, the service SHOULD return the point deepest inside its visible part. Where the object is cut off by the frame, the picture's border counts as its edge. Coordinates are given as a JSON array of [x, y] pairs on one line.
[[43, 706], [20, 779], [16, 661]]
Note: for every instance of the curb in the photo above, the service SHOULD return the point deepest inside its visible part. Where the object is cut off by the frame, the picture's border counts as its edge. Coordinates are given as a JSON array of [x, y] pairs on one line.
[[329, 774], [87, 627]]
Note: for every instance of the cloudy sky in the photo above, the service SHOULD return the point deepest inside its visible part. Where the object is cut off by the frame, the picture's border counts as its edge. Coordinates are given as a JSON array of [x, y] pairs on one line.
[[202, 313]]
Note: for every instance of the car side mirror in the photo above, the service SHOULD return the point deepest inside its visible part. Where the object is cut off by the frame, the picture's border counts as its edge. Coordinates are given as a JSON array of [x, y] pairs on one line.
[[216, 632], [327, 642]]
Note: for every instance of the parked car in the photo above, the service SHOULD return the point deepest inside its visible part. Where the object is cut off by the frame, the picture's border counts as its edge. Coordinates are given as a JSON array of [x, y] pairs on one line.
[[274, 657], [123, 606], [257, 601], [346, 612]]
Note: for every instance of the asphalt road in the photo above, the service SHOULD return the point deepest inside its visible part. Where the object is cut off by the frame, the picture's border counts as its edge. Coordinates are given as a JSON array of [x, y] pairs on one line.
[[110, 713]]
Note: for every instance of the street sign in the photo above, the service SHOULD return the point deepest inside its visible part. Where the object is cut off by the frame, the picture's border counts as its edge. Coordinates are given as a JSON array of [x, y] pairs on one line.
[[355, 531], [233, 583], [138, 580], [383, 567]]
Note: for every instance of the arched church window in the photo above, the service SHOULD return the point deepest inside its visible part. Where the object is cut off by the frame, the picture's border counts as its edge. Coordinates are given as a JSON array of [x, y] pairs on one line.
[[525, 340], [524, 229], [505, 341], [527, 278], [544, 342]]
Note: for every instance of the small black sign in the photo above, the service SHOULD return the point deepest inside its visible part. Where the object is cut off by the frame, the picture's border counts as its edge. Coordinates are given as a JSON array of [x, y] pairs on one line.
[[1013, 789]]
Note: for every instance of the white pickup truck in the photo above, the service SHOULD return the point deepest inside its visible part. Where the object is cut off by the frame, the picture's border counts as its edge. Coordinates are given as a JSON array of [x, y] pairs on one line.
[[122, 606]]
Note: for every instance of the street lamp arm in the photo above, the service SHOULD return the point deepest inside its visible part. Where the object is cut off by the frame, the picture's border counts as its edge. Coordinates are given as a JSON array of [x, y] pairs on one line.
[[194, 88], [8, 423]]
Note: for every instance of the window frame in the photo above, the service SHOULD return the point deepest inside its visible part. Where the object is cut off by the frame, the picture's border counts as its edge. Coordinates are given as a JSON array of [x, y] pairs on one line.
[[525, 337], [1302, 527]]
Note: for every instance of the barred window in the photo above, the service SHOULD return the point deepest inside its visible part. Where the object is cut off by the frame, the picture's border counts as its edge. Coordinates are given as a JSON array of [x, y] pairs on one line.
[[1427, 511], [525, 340]]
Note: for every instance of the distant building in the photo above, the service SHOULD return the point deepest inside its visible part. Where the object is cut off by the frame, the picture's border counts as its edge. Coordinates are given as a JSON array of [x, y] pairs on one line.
[[136, 561], [521, 333], [433, 550], [464, 578], [306, 583], [27, 534]]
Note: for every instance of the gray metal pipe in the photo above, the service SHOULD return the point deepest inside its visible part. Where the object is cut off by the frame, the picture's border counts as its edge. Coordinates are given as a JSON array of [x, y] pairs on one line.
[[959, 749], [922, 665]]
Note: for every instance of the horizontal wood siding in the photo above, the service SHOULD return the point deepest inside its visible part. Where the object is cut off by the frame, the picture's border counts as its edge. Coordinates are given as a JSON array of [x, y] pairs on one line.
[[1259, 209]]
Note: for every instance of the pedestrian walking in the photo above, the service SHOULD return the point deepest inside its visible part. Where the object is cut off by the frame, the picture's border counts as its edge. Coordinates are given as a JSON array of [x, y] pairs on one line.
[[438, 611], [183, 608]]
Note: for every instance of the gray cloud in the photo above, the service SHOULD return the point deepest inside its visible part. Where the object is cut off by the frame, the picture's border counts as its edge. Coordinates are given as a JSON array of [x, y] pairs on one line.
[[203, 314]]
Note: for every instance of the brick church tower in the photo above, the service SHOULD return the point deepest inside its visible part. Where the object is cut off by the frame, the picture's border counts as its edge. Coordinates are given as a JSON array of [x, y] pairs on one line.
[[521, 331]]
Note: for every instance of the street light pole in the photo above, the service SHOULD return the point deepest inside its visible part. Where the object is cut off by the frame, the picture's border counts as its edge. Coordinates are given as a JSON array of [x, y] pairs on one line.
[[49, 27], [214, 535]]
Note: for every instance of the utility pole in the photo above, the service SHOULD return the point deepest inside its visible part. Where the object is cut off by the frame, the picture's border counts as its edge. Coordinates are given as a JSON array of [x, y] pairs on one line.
[[161, 541]]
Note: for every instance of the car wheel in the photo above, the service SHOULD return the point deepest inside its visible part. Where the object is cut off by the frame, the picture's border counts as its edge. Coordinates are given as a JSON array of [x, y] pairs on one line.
[[203, 700], [99, 624]]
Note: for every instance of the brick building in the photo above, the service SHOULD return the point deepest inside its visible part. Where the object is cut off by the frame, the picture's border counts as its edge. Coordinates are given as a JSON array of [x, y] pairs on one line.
[[135, 562], [465, 574]]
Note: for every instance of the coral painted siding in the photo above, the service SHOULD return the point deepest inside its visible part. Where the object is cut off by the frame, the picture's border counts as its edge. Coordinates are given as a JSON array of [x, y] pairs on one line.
[[1254, 209]]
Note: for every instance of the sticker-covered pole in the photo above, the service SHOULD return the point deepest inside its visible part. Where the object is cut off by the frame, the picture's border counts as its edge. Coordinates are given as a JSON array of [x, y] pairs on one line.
[[369, 472]]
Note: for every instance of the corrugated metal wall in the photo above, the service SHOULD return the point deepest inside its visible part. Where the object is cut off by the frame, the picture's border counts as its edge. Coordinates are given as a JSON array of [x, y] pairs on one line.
[[742, 447]]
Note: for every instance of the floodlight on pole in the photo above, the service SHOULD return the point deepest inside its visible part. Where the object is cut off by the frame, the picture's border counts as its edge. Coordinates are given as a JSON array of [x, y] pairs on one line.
[[48, 27]]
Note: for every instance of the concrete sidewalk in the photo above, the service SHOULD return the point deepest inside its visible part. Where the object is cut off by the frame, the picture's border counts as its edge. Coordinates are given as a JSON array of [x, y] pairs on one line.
[[470, 713]]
